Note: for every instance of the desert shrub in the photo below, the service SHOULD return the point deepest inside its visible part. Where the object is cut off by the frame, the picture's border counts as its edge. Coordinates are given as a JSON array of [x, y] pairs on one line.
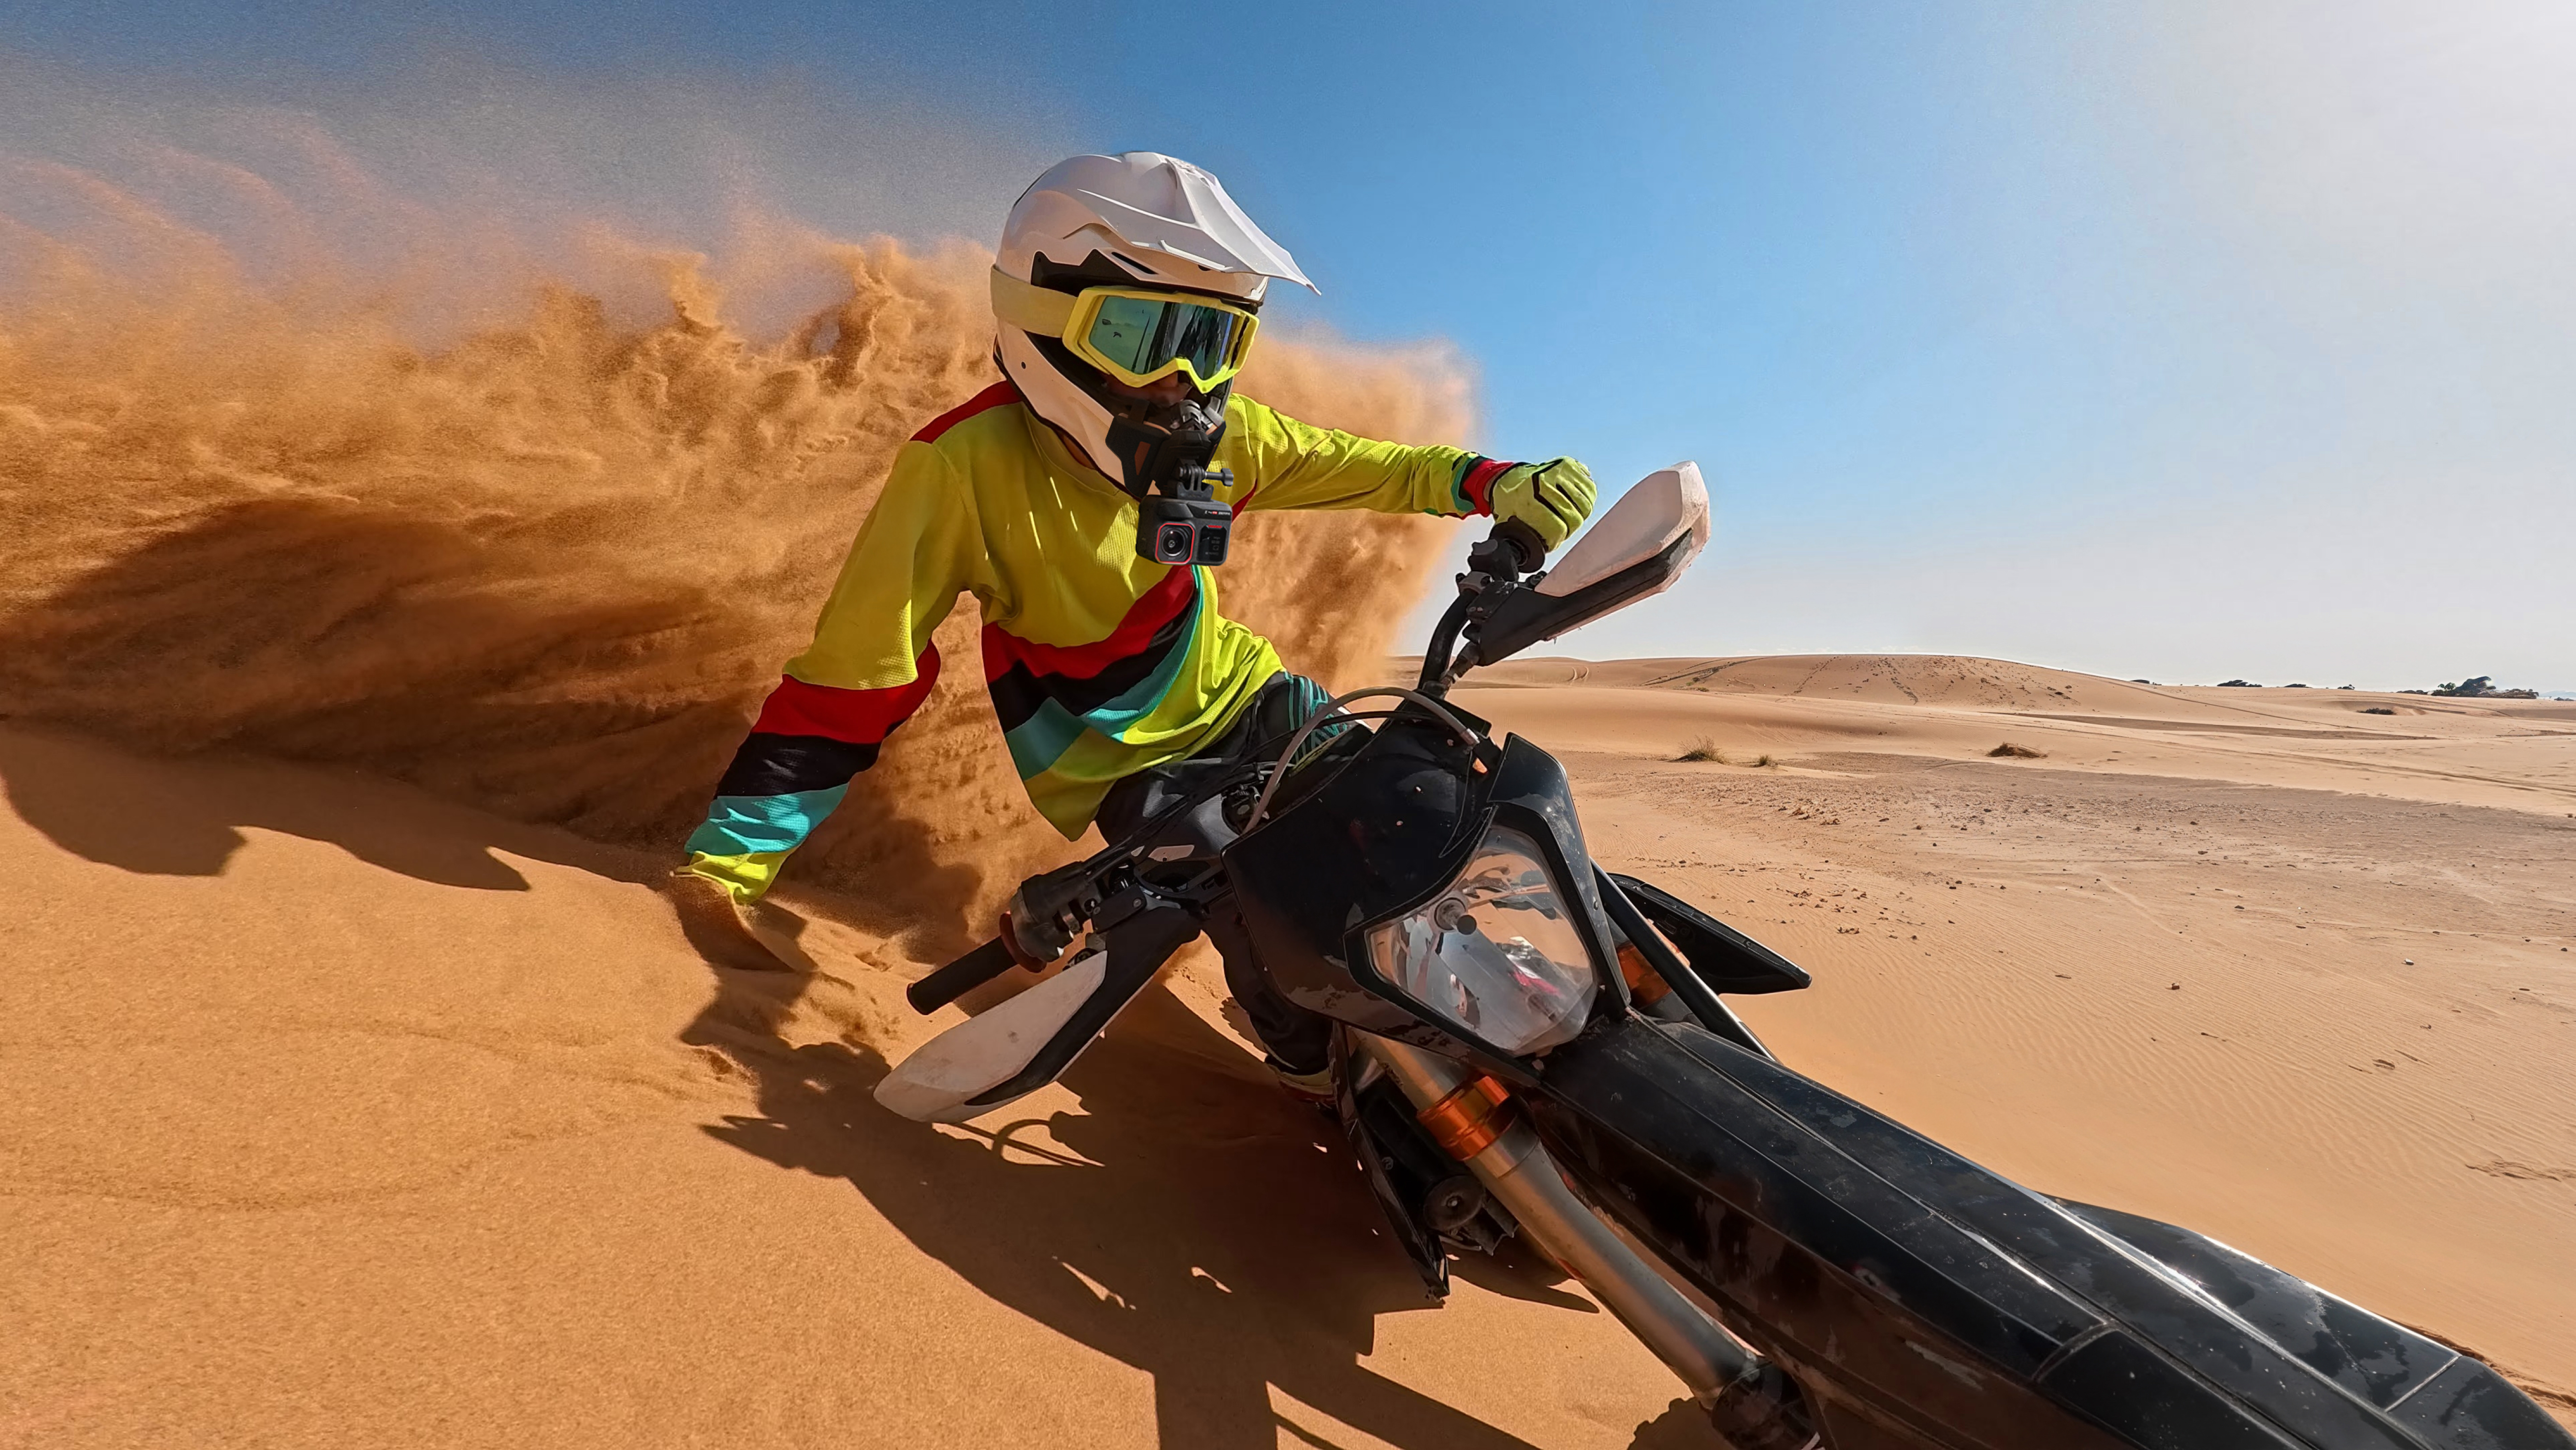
[[1703, 749]]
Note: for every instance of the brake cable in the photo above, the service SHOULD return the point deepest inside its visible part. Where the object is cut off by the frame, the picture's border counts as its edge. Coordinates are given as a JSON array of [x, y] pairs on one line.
[[1279, 772]]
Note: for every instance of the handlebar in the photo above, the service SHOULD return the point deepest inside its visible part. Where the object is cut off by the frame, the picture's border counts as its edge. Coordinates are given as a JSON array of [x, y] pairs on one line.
[[1495, 564], [961, 976], [1511, 550]]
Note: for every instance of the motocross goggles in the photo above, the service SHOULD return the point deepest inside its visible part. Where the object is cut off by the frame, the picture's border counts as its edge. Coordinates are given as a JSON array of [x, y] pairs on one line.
[[1134, 334]]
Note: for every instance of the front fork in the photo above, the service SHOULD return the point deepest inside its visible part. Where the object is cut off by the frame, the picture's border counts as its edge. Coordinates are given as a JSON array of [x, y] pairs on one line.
[[1475, 1123]]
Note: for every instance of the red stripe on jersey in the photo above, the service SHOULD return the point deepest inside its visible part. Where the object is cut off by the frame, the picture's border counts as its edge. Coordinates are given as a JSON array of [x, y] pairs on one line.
[[998, 395], [1176, 591], [1479, 482], [860, 717]]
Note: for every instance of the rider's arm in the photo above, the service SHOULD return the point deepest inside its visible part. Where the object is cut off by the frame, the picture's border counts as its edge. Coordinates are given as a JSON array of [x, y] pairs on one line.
[[1284, 464], [870, 666]]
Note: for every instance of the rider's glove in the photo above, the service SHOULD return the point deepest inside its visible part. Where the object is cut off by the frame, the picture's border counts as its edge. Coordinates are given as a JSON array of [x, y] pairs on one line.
[[1552, 498], [744, 878], [716, 915]]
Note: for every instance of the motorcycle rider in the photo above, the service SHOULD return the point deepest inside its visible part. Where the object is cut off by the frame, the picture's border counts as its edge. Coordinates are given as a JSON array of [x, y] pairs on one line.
[[1125, 297]]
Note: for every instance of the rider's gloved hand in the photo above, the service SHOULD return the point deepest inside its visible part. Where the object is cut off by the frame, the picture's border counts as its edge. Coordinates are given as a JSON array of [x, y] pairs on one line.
[[720, 916], [1552, 498]]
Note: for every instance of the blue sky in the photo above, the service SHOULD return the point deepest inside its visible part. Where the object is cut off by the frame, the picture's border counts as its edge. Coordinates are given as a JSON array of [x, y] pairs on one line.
[[2188, 340]]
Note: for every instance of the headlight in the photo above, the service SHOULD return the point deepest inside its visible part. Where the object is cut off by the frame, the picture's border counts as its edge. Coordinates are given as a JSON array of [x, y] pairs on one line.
[[1496, 953]]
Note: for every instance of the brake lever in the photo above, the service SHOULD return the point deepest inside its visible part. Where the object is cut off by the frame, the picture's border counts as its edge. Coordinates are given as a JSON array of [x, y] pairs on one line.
[[1050, 909]]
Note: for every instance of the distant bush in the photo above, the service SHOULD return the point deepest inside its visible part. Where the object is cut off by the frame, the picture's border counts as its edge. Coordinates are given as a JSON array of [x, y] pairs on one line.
[[2378, 710], [2481, 687], [2238, 685], [2009, 750], [1703, 749], [2294, 687], [2343, 687], [1762, 760]]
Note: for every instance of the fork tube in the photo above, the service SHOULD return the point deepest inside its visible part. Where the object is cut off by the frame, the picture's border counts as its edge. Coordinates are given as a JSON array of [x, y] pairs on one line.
[[1515, 1167]]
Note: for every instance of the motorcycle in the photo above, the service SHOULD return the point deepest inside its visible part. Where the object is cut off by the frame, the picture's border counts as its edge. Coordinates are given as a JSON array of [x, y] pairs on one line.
[[1528, 1044]]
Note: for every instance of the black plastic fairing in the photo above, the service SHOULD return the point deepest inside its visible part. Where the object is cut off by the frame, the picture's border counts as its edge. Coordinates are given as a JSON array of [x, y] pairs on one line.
[[1532, 795], [1681, 975], [2370, 1357], [1904, 1275], [2470, 1407], [1726, 959], [1391, 826], [1531, 790], [1388, 832]]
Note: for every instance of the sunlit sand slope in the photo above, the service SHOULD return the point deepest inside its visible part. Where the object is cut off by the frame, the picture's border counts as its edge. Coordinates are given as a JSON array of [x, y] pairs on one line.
[[338, 1115], [334, 1115]]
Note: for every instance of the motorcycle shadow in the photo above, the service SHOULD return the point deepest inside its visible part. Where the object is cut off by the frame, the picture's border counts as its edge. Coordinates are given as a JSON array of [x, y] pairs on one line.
[[1190, 1222]]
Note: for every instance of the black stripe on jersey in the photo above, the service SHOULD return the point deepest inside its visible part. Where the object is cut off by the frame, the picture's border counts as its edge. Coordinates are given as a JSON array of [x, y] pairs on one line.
[[785, 764]]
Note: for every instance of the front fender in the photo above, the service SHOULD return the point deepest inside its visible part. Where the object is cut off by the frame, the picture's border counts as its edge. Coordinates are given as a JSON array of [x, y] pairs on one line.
[[1944, 1304]]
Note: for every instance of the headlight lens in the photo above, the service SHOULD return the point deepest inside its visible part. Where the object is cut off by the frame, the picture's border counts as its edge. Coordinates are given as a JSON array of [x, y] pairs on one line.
[[1497, 953]]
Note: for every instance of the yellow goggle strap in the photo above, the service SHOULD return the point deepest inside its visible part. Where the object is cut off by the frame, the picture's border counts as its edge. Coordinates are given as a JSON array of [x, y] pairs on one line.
[[1029, 307]]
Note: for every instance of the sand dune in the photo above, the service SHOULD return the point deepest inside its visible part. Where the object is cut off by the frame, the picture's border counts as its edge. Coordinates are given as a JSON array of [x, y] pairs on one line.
[[2511, 754], [1882, 679], [340, 1114]]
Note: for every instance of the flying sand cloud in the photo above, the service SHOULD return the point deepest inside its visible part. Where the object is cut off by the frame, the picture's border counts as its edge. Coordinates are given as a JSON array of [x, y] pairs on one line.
[[525, 508]]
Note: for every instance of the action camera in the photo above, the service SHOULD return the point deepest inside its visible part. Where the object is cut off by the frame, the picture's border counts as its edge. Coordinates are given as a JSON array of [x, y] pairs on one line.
[[1185, 525]]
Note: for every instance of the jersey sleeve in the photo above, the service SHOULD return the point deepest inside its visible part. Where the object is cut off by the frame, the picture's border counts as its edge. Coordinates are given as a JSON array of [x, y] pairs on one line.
[[869, 668], [1285, 464]]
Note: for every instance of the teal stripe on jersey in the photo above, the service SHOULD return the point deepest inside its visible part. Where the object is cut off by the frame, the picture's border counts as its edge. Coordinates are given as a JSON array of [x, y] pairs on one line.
[[1043, 738], [1140, 701], [739, 825]]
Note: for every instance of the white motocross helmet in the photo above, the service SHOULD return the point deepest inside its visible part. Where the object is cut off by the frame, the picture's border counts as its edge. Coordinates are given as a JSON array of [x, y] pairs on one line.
[[1141, 220]]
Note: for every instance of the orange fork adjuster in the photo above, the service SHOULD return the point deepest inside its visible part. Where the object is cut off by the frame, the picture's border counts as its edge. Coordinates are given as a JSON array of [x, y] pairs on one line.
[[1467, 1122], [1644, 983]]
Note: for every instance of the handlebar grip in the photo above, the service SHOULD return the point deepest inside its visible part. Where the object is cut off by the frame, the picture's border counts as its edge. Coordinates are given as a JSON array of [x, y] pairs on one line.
[[961, 976], [1513, 545]]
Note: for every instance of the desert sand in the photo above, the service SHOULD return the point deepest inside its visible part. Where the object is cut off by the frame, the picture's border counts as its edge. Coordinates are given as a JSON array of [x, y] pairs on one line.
[[338, 1114]]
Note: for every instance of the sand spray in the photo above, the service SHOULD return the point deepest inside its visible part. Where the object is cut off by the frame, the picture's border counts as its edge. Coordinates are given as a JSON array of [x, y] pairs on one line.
[[550, 562]]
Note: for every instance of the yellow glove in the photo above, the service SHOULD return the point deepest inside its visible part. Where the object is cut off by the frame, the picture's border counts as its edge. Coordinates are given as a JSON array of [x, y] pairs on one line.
[[744, 878], [729, 927], [1552, 499]]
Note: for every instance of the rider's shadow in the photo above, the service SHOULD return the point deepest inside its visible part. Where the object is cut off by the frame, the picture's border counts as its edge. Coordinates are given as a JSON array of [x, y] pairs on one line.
[[1191, 1223]]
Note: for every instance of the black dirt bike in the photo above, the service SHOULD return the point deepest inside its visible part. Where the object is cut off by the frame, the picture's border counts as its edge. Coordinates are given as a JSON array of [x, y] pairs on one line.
[[1528, 1044]]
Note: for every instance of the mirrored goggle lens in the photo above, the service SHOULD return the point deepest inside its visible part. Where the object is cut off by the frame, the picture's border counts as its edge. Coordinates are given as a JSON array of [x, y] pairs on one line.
[[1145, 336]]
